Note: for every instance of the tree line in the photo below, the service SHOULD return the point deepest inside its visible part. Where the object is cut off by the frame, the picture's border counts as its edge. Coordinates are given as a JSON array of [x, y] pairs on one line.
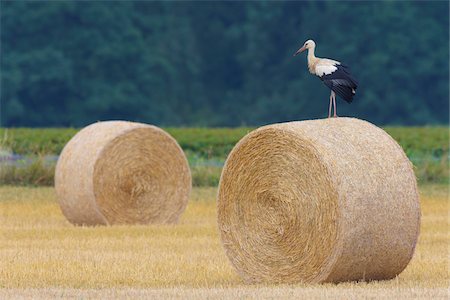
[[71, 63]]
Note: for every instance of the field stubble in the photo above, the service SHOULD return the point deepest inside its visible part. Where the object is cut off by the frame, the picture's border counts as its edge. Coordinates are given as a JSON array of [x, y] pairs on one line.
[[42, 255]]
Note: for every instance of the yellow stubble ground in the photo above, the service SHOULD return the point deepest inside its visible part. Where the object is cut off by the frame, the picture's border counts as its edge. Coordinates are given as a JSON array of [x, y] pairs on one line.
[[42, 255]]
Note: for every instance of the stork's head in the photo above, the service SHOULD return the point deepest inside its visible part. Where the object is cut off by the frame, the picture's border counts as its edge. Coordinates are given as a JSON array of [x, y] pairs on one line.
[[307, 45]]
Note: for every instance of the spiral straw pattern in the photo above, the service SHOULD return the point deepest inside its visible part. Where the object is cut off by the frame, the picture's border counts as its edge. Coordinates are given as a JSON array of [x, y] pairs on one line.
[[119, 172], [318, 201]]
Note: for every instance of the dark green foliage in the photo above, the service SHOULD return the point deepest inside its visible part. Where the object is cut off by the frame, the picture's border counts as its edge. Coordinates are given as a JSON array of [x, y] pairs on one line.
[[174, 63]]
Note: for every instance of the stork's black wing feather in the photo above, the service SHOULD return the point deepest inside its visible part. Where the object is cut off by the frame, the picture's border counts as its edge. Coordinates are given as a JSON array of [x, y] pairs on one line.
[[341, 82]]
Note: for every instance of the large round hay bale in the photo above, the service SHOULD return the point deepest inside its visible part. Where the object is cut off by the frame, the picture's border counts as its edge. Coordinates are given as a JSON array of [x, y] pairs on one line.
[[119, 172], [318, 201]]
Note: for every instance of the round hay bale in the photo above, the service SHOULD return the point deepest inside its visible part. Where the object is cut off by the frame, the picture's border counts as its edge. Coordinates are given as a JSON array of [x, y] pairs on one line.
[[318, 201], [119, 172]]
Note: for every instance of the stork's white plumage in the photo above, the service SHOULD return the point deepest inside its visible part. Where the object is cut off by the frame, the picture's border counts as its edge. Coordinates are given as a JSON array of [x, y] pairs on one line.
[[334, 75]]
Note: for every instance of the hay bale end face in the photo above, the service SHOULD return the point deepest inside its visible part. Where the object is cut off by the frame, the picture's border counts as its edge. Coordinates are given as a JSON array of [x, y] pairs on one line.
[[119, 172], [318, 201]]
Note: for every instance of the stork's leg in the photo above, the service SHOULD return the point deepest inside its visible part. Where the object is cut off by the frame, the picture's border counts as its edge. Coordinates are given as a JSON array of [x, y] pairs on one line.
[[334, 104], [331, 101]]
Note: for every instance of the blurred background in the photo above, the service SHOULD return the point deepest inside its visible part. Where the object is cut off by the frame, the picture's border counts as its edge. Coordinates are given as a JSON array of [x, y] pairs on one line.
[[71, 63], [191, 67]]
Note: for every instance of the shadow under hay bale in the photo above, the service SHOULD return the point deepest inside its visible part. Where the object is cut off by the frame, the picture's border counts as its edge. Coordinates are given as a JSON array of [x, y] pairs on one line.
[[318, 201], [119, 172]]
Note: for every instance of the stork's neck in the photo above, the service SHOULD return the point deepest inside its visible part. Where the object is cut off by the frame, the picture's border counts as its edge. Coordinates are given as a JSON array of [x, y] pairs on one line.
[[312, 60], [311, 53]]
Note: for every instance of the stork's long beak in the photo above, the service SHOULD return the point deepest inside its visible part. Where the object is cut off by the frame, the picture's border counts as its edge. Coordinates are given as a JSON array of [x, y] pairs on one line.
[[300, 50]]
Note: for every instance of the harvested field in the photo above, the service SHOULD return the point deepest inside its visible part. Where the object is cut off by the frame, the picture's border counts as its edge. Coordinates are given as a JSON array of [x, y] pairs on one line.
[[43, 255]]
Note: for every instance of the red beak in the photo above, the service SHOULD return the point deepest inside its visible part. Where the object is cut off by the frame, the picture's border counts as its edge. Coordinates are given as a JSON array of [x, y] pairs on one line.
[[300, 50]]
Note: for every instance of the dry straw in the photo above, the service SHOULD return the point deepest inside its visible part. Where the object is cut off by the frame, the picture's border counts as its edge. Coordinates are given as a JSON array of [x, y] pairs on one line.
[[120, 172], [318, 201]]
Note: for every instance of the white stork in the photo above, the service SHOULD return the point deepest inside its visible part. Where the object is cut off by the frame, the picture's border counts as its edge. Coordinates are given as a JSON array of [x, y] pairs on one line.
[[334, 75]]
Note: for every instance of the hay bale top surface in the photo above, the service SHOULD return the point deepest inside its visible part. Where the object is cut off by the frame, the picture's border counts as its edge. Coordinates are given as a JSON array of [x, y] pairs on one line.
[[318, 201]]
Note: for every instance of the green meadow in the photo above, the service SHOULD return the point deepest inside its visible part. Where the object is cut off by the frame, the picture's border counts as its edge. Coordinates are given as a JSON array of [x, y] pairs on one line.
[[206, 149]]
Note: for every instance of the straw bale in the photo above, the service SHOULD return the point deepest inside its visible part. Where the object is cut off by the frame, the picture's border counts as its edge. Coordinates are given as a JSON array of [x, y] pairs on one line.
[[119, 172], [318, 201]]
